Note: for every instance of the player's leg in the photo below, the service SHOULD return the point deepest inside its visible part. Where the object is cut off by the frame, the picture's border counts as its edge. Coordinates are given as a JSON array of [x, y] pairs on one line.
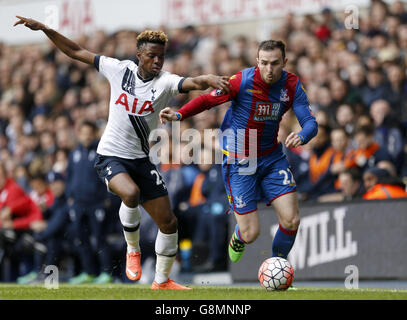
[[279, 188], [246, 231], [166, 244], [128, 191], [243, 194], [248, 226], [286, 207], [115, 173], [154, 199]]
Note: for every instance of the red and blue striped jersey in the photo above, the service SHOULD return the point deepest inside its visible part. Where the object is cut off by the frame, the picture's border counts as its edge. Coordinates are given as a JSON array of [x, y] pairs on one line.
[[259, 106]]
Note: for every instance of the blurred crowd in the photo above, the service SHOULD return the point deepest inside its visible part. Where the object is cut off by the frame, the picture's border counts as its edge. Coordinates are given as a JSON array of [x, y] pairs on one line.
[[53, 111]]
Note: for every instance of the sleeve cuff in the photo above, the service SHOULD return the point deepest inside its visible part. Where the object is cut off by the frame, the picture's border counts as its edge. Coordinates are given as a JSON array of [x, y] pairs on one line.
[[301, 138], [180, 90], [96, 62]]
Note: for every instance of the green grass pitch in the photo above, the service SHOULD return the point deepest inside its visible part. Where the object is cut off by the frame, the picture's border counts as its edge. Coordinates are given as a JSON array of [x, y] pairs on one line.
[[143, 292]]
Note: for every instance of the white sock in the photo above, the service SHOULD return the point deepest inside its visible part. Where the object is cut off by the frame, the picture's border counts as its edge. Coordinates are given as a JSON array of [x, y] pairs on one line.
[[166, 246], [130, 219]]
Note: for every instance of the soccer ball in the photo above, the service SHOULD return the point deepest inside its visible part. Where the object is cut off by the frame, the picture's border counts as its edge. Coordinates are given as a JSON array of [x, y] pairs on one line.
[[276, 274]]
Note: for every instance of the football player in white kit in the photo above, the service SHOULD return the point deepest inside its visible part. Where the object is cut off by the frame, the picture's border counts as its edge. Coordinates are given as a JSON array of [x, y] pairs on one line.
[[138, 94]]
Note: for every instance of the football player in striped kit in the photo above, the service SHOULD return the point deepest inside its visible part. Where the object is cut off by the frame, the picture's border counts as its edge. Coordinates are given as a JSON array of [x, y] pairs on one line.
[[260, 96], [138, 93]]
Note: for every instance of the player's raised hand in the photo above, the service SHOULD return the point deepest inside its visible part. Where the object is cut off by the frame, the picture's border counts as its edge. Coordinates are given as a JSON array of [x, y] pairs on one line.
[[293, 140], [219, 82], [30, 23], [167, 114]]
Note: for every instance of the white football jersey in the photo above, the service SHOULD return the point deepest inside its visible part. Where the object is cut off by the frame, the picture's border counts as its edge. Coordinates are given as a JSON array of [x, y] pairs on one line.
[[134, 107]]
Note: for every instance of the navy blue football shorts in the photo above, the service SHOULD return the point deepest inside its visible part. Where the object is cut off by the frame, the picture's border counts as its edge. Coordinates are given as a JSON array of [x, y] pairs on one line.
[[271, 179], [142, 171]]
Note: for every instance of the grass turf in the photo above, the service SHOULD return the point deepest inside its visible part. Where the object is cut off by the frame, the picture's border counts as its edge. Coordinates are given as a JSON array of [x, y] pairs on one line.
[[143, 292]]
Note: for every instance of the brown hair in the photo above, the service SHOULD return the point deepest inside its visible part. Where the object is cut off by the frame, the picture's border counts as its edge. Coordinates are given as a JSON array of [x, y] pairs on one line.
[[271, 45], [151, 36]]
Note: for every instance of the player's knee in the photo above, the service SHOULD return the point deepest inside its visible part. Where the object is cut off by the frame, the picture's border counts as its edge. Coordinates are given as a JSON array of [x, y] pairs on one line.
[[169, 224], [250, 235], [292, 223], [131, 197]]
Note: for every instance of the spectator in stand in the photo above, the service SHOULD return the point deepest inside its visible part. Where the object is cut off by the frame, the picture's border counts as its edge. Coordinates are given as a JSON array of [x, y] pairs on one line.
[[376, 88], [325, 102], [389, 166], [189, 210], [398, 90], [351, 187], [345, 117], [388, 132], [364, 120], [397, 9], [17, 214], [87, 209], [340, 144], [339, 90], [368, 152], [323, 30], [50, 233], [41, 193], [212, 222], [357, 83], [17, 209], [322, 118], [22, 178], [179, 179], [351, 184], [380, 185], [321, 179]]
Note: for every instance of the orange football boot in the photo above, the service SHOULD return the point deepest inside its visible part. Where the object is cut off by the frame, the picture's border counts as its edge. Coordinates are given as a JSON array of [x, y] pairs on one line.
[[168, 285], [133, 267]]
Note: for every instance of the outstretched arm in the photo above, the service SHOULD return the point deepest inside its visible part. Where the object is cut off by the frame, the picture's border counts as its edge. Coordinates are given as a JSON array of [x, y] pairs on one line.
[[205, 81], [204, 102], [67, 46], [193, 107]]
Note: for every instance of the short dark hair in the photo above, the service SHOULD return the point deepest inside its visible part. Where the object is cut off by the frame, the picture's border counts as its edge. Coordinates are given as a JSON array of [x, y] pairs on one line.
[[269, 45], [38, 176], [367, 130], [355, 173], [326, 128], [341, 128], [88, 123], [151, 36]]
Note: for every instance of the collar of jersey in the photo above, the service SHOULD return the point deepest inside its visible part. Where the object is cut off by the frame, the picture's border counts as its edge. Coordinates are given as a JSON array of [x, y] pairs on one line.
[[144, 80]]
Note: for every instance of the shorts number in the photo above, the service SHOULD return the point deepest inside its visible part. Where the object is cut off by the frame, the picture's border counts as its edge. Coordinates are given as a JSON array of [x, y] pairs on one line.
[[158, 177], [288, 176]]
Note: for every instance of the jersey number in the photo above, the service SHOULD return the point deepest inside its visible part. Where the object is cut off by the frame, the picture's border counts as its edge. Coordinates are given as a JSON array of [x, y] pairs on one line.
[[158, 180], [288, 176]]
